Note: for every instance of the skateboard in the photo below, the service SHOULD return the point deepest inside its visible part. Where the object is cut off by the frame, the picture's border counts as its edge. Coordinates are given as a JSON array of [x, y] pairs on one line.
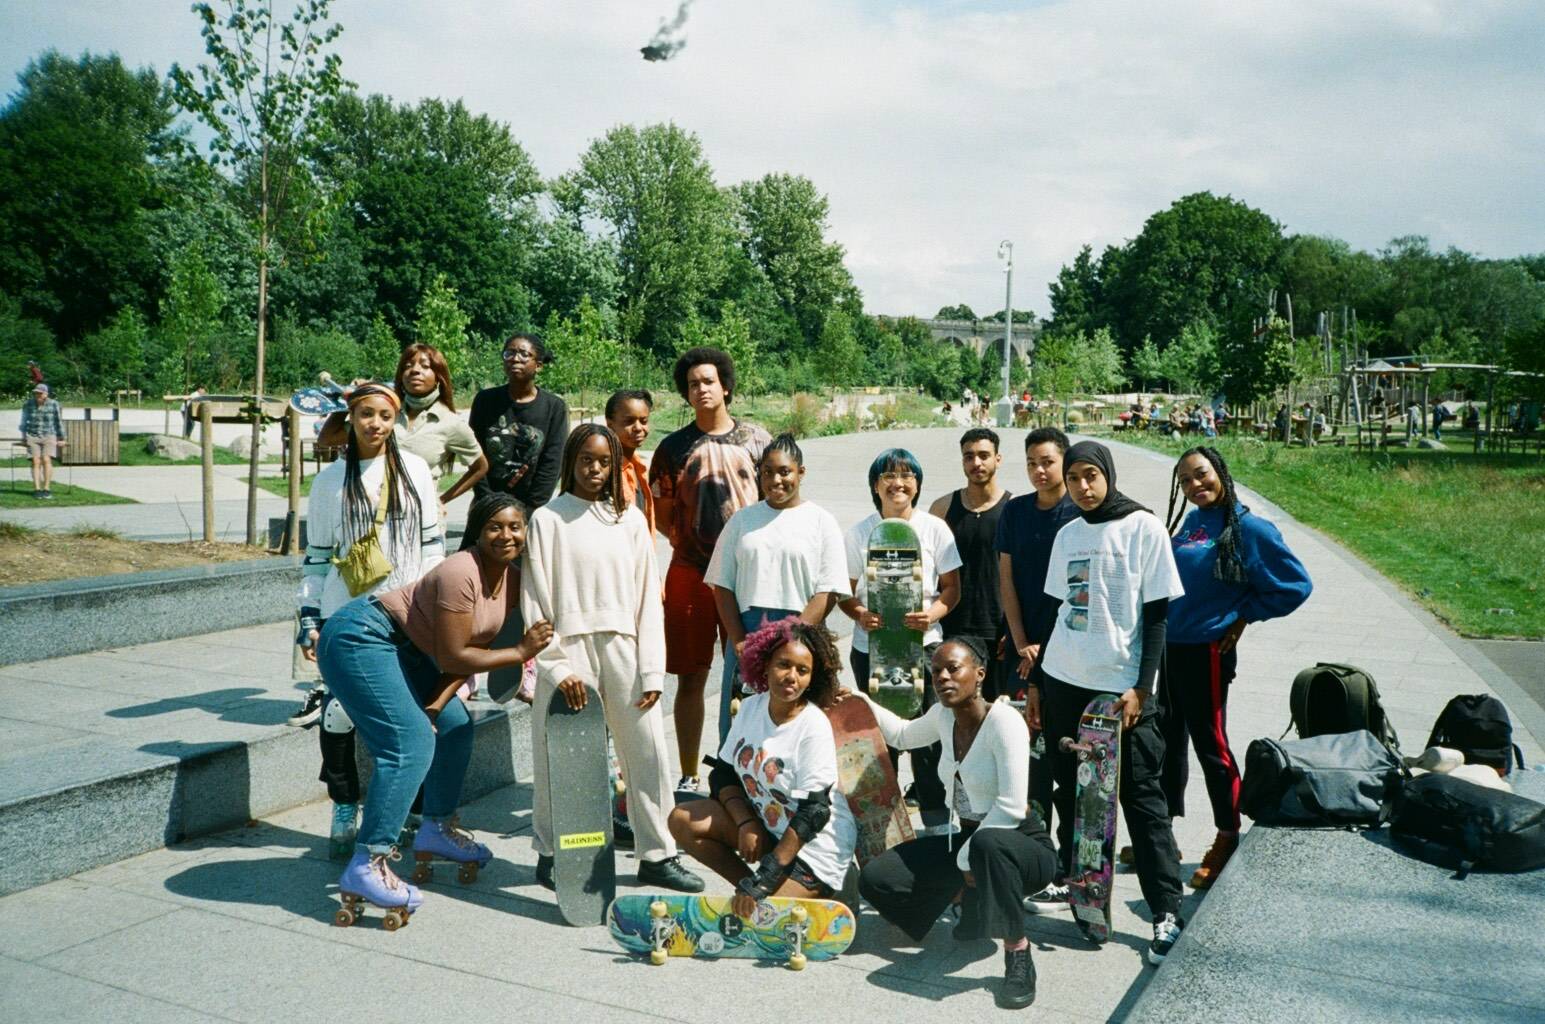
[[867, 779], [319, 401], [782, 930], [1098, 749], [580, 799], [504, 682], [893, 582]]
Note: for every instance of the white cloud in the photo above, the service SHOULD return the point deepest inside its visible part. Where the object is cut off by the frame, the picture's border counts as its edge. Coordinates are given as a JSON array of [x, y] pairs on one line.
[[939, 129]]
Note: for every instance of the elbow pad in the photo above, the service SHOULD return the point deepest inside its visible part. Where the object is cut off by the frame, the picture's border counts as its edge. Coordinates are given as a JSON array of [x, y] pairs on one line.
[[811, 815]]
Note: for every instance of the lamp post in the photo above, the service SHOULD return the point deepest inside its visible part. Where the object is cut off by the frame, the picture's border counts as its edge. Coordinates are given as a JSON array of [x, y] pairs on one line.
[[1006, 403]]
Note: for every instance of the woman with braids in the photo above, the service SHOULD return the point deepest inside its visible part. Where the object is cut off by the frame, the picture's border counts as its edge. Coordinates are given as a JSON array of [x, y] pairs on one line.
[[1236, 569], [771, 825], [995, 854], [782, 556], [393, 661], [429, 425], [590, 570], [375, 482]]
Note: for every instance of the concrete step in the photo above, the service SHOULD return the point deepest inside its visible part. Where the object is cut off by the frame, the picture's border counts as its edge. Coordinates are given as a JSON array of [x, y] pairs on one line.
[[110, 754]]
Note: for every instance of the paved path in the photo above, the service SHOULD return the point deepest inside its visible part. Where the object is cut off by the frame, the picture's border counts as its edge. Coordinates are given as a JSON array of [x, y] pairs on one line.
[[236, 926]]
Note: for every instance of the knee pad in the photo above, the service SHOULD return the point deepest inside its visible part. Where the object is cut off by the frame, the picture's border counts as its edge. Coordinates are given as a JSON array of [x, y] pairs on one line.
[[334, 718]]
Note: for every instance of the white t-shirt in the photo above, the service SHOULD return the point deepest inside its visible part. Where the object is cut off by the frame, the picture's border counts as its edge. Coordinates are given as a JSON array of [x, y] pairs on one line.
[[779, 765], [779, 558], [1104, 574], [939, 556]]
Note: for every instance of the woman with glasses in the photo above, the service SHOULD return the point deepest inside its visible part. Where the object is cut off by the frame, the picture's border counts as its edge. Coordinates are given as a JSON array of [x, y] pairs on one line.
[[521, 427], [895, 481]]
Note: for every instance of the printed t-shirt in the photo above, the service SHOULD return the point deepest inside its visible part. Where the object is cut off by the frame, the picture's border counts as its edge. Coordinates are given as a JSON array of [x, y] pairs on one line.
[[1025, 534], [706, 477], [455, 585], [939, 557], [779, 558], [516, 435], [780, 765], [1103, 574]]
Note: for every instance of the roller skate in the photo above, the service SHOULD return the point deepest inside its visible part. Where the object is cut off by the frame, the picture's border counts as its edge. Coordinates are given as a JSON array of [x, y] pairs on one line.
[[345, 829], [445, 840], [409, 831], [370, 879]]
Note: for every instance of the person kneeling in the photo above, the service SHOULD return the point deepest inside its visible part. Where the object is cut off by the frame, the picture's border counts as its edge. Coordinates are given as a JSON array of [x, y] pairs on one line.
[[770, 800], [995, 854]]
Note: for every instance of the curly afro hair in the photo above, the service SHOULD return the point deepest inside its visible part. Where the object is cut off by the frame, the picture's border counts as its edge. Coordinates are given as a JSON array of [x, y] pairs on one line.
[[760, 646]]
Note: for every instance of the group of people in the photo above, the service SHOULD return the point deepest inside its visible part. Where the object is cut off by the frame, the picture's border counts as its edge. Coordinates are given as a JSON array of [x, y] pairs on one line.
[[1051, 597]]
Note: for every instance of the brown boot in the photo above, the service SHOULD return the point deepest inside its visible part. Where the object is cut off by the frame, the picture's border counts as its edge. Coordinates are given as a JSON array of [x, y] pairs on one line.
[[1222, 849]]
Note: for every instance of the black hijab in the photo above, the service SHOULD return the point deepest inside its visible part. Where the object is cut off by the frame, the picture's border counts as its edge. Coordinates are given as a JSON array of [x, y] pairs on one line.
[[1116, 505]]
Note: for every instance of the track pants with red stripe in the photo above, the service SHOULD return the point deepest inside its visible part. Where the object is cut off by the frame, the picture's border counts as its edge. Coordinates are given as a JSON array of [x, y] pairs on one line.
[[1193, 698]]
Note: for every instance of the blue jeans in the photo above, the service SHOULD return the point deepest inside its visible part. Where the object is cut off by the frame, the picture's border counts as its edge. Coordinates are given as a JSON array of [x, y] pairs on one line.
[[752, 619], [382, 681]]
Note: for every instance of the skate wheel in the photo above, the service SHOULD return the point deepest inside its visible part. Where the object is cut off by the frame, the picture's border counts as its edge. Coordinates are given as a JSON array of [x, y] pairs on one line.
[[467, 873], [343, 918], [423, 872], [871, 574], [734, 707], [799, 914], [658, 909], [393, 920], [658, 957], [917, 573], [797, 962]]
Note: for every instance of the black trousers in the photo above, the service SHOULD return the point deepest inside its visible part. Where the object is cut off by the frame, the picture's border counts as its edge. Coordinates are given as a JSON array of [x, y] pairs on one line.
[[1193, 699], [1141, 794], [925, 760], [340, 771], [911, 885]]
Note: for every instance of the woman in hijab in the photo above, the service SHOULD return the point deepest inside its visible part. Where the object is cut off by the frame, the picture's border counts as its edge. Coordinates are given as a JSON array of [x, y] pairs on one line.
[[1101, 625]]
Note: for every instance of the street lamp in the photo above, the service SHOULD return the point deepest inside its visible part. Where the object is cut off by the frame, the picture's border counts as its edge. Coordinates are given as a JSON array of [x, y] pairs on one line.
[[1006, 403]]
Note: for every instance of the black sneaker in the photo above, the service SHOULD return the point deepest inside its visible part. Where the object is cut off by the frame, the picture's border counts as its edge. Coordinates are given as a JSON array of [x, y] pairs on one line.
[[1049, 900], [544, 873], [669, 874], [310, 708], [1018, 989], [1166, 930], [622, 834]]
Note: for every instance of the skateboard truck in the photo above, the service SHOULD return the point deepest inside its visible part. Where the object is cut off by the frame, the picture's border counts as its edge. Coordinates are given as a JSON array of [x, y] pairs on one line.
[[661, 928], [1087, 751], [794, 933]]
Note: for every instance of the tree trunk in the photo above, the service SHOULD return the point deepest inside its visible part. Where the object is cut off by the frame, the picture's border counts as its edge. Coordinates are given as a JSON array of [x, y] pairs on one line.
[[255, 458]]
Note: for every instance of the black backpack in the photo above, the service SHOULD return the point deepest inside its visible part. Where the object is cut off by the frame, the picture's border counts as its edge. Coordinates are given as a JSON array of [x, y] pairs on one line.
[[1346, 779], [1330, 698], [1478, 727], [1458, 824]]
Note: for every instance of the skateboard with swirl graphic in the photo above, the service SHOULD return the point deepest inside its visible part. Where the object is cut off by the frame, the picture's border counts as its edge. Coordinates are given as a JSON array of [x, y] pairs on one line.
[[782, 930]]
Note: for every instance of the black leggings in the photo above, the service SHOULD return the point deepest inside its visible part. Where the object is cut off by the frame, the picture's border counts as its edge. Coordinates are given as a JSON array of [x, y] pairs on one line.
[[1193, 698], [925, 760], [911, 885]]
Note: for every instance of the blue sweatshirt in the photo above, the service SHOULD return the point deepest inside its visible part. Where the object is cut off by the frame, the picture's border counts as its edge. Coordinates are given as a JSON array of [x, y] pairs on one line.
[[1277, 581]]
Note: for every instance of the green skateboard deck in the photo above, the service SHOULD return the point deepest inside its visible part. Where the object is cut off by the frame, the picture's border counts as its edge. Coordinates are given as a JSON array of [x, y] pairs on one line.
[[579, 796], [893, 584], [781, 930]]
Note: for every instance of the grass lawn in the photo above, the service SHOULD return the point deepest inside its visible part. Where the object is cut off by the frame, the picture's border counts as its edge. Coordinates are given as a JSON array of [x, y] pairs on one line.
[[131, 452], [64, 494], [1461, 532], [281, 485]]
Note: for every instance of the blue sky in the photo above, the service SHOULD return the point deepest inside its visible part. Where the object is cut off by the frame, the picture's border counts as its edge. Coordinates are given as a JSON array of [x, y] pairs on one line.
[[938, 129]]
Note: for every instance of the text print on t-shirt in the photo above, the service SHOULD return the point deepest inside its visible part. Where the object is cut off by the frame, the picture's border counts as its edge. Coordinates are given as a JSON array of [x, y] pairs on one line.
[[1097, 581], [759, 775]]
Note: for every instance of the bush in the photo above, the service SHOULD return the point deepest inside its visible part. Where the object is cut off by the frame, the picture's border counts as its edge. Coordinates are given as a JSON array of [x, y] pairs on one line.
[[804, 418]]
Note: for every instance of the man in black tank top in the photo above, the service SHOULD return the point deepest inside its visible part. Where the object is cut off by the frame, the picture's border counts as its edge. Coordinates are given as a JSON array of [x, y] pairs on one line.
[[972, 514]]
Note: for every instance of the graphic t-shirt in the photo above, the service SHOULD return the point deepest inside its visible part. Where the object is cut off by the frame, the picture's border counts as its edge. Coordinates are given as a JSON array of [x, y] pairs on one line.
[[939, 557], [706, 477], [1103, 574], [779, 558], [520, 435], [780, 765], [1025, 534]]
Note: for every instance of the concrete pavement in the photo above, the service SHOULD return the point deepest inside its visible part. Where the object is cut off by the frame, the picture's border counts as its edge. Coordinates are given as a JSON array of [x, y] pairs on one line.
[[236, 926]]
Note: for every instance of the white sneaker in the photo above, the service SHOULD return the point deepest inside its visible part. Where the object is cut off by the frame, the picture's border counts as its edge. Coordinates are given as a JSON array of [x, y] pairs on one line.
[[1165, 931], [310, 708], [689, 784], [1049, 900]]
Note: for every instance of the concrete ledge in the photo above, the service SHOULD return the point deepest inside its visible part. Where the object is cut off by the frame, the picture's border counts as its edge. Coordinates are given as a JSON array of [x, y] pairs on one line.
[[54, 619], [100, 803], [1327, 925]]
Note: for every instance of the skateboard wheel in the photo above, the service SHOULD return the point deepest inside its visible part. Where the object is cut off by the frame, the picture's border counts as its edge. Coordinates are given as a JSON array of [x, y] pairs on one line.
[[343, 918], [871, 574], [423, 871], [799, 914], [657, 908], [467, 873], [734, 707], [620, 786], [917, 573], [797, 962], [658, 957]]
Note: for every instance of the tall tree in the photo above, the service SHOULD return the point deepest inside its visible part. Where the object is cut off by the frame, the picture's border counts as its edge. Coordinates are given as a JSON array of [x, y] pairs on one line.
[[264, 95], [1077, 296], [782, 220]]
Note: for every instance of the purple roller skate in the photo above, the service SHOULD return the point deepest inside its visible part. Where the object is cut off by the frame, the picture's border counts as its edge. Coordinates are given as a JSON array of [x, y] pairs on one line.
[[445, 840], [370, 879]]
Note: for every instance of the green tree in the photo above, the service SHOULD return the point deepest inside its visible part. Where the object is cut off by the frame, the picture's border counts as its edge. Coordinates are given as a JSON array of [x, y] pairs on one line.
[[587, 357], [959, 312], [116, 353], [782, 221], [191, 320], [381, 350], [79, 144], [970, 367], [23, 338], [442, 323], [1147, 364], [1190, 363], [655, 193], [569, 266], [837, 359], [1256, 363], [1077, 295], [264, 95]]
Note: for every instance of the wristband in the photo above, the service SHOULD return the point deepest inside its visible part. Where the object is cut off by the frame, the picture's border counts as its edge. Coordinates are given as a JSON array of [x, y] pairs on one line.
[[310, 619], [764, 881]]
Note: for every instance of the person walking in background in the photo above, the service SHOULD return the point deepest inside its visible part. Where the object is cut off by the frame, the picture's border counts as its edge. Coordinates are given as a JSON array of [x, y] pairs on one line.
[[429, 425], [701, 475], [42, 431], [780, 557], [972, 513], [1236, 569], [627, 416], [895, 481], [521, 427], [590, 570]]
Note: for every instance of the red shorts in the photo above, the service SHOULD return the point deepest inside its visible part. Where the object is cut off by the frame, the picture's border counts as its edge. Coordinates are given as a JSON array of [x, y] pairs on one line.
[[691, 621]]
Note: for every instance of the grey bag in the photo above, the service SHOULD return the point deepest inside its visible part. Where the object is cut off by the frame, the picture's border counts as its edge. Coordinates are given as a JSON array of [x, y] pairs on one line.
[[1348, 778]]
